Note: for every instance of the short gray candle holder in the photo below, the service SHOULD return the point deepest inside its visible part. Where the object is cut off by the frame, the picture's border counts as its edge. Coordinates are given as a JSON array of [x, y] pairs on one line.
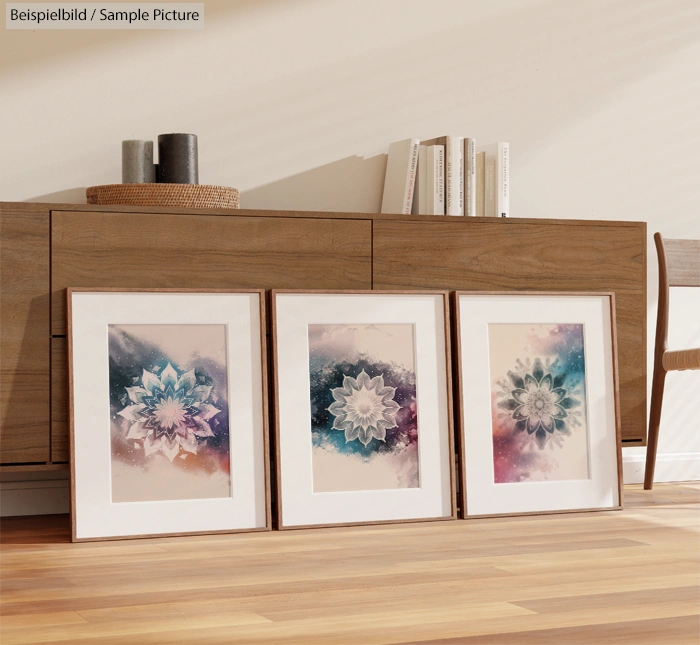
[[137, 162]]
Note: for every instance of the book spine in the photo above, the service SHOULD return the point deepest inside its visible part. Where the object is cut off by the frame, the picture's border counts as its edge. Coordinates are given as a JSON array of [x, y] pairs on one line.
[[480, 162], [421, 190], [439, 197], [434, 181], [454, 158], [410, 178], [469, 177], [503, 181], [429, 177], [490, 187]]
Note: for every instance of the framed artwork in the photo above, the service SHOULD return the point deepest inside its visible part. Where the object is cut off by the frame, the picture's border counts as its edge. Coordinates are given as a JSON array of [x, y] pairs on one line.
[[538, 402], [168, 412], [363, 411]]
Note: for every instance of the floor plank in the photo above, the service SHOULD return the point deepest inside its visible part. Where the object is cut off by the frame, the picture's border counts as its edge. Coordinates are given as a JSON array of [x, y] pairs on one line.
[[615, 577]]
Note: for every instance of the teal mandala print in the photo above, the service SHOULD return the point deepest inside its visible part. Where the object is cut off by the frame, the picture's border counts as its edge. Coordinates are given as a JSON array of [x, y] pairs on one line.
[[538, 405], [364, 408], [364, 416]]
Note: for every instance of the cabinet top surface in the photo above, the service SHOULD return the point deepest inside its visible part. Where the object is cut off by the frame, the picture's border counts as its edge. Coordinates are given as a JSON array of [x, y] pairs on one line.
[[37, 207]]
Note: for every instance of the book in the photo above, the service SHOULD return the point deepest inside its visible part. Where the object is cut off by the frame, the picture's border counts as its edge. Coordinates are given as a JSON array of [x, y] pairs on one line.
[[435, 189], [489, 187], [480, 163], [469, 177], [454, 172], [400, 177], [497, 180], [420, 196]]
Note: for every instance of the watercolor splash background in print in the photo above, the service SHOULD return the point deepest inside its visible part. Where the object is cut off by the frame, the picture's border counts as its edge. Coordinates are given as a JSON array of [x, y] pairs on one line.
[[538, 402], [169, 417], [364, 423]]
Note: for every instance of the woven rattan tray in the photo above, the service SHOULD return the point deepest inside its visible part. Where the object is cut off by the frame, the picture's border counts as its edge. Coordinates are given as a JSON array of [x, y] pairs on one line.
[[185, 195]]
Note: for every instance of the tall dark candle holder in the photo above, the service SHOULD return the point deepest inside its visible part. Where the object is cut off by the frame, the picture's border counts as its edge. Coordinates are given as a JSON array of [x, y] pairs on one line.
[[177, 159]]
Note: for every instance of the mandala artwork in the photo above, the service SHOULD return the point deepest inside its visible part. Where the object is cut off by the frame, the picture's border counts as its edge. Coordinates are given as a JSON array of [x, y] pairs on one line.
[[364, 422], [538, 402], [364, 408], [169, 412]]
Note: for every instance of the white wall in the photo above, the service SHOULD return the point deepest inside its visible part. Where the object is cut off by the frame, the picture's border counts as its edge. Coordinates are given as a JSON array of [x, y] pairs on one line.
[[296, 102]]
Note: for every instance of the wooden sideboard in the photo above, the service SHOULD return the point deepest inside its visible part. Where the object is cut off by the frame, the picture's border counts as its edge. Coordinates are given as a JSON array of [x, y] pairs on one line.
[[45, 248]]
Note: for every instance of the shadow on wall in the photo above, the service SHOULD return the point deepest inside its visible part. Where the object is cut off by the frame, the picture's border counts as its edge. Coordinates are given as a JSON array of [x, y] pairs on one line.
[[68, 196], [355, 182], [563, 63]]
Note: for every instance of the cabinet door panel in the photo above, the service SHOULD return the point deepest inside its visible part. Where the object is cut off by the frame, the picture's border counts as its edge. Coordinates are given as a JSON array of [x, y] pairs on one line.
[[92, 249], [24, 335], [60, 440], [535, 255], [630, 314]]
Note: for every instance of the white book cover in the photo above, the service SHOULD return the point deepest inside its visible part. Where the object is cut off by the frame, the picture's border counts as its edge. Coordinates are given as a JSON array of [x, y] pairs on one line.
[[490, 187], [400, 177], [503, 180], [440, 207], [480, 179], [469, 177], [497, 170], [436, 180], [454, 161], [420, 192]]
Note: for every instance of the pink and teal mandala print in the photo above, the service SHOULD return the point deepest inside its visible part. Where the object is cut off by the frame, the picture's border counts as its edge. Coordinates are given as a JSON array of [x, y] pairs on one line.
[[169, 413], [539, 402]]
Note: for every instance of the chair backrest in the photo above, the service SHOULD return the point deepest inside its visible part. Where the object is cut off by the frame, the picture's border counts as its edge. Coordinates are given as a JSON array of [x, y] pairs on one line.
[[679, 266], [682, 262]]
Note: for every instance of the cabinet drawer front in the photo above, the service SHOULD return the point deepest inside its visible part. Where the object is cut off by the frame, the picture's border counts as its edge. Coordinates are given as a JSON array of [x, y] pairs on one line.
[[92, 249], [491, 254]]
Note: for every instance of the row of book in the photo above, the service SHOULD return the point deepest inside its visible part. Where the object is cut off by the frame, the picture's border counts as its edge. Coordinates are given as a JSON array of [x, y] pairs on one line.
[[447, 176]]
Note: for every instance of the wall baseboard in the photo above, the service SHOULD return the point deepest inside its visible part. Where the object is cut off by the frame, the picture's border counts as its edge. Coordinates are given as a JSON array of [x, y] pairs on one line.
[[40, 497], [671, 467], [52, 496]]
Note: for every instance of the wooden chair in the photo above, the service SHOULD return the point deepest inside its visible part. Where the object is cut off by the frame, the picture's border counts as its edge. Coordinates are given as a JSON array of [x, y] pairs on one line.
[[679, 266]]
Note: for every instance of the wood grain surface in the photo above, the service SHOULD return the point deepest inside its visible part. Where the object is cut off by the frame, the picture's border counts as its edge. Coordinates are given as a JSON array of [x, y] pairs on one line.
[[626, 577], [242, 212], [96, 249], [112, 246], [24, 320], [683, 262], [530, 255], [60, 440]]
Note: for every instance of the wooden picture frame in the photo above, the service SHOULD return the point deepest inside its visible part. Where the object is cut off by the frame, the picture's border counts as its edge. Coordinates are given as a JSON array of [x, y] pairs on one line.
[[305, 482], [490, 431], [112, 334]]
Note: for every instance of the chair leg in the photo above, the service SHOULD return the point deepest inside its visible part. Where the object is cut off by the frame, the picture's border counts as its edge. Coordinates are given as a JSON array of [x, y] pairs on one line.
[[657, 394]]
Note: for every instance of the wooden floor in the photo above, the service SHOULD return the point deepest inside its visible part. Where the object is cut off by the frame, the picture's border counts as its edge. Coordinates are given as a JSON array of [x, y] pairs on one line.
[[606, 578]]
